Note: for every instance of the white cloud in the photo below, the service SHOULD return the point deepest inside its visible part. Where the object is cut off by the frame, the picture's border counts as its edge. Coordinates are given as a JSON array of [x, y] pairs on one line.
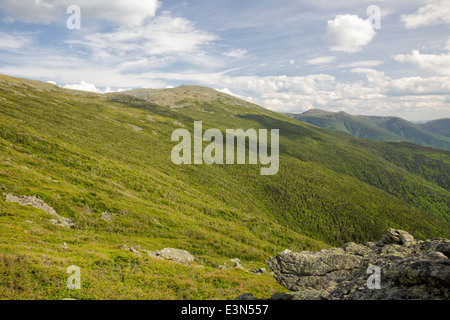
[[229, 92], [361, 64], [159, 36], [420, 86], [90, 87], [321, 60], [83, 86], [226, 91], [447, 46], [405, 86], [14, 41], [120, 12], [439, 64], [435, 12], [236, 53], [376, 79], [348, 33]]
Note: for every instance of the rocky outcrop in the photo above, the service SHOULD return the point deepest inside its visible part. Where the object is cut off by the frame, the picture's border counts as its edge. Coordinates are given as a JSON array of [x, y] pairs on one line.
[[172, 254], [404, 268], [39, 204]]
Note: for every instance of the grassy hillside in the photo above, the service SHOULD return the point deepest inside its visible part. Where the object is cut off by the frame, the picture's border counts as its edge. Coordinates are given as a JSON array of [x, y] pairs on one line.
[[392, 129], [85, 154]]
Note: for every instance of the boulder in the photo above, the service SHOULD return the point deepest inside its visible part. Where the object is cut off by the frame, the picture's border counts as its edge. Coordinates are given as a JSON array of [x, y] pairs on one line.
[[394, 236], [296, 271]]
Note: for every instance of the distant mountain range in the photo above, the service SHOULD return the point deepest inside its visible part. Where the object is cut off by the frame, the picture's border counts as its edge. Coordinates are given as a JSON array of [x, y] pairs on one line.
[[434, 133]]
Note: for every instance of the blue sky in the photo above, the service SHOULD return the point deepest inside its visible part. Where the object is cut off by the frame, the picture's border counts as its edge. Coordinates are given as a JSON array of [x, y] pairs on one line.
[[287, 56]]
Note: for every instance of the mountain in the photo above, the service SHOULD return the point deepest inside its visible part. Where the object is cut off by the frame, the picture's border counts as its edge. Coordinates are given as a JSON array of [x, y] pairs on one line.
[[432, 134], [87, 180], [440, 126]]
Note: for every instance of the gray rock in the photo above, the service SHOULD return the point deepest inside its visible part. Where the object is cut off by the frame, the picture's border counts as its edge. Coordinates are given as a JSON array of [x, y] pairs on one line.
[[238, 265], [444, 248], [62, 222], [259, 271], [410, 269], [380, 243], [394, 236], [406, 237], [387, 240], [172, 254], [177, 255], [153, 254], [235, 263], [306, 294], [246, 296], [37, 202], [133, 250], [356, 249], [296, 271], [223, 266]]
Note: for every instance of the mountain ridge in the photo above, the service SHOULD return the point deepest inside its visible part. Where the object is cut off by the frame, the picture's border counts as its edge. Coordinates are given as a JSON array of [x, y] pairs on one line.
[[391, 129]]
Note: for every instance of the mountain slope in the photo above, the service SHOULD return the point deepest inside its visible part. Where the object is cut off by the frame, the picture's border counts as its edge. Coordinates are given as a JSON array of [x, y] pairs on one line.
[[90, 155], [333, 151], [440, 126], [433, 134]]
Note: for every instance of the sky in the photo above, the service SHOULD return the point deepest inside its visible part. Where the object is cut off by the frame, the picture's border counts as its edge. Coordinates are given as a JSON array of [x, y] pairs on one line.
[[377, 57]]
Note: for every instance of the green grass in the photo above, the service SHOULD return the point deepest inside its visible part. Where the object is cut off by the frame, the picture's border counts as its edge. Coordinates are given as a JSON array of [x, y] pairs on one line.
[[81, 153]]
